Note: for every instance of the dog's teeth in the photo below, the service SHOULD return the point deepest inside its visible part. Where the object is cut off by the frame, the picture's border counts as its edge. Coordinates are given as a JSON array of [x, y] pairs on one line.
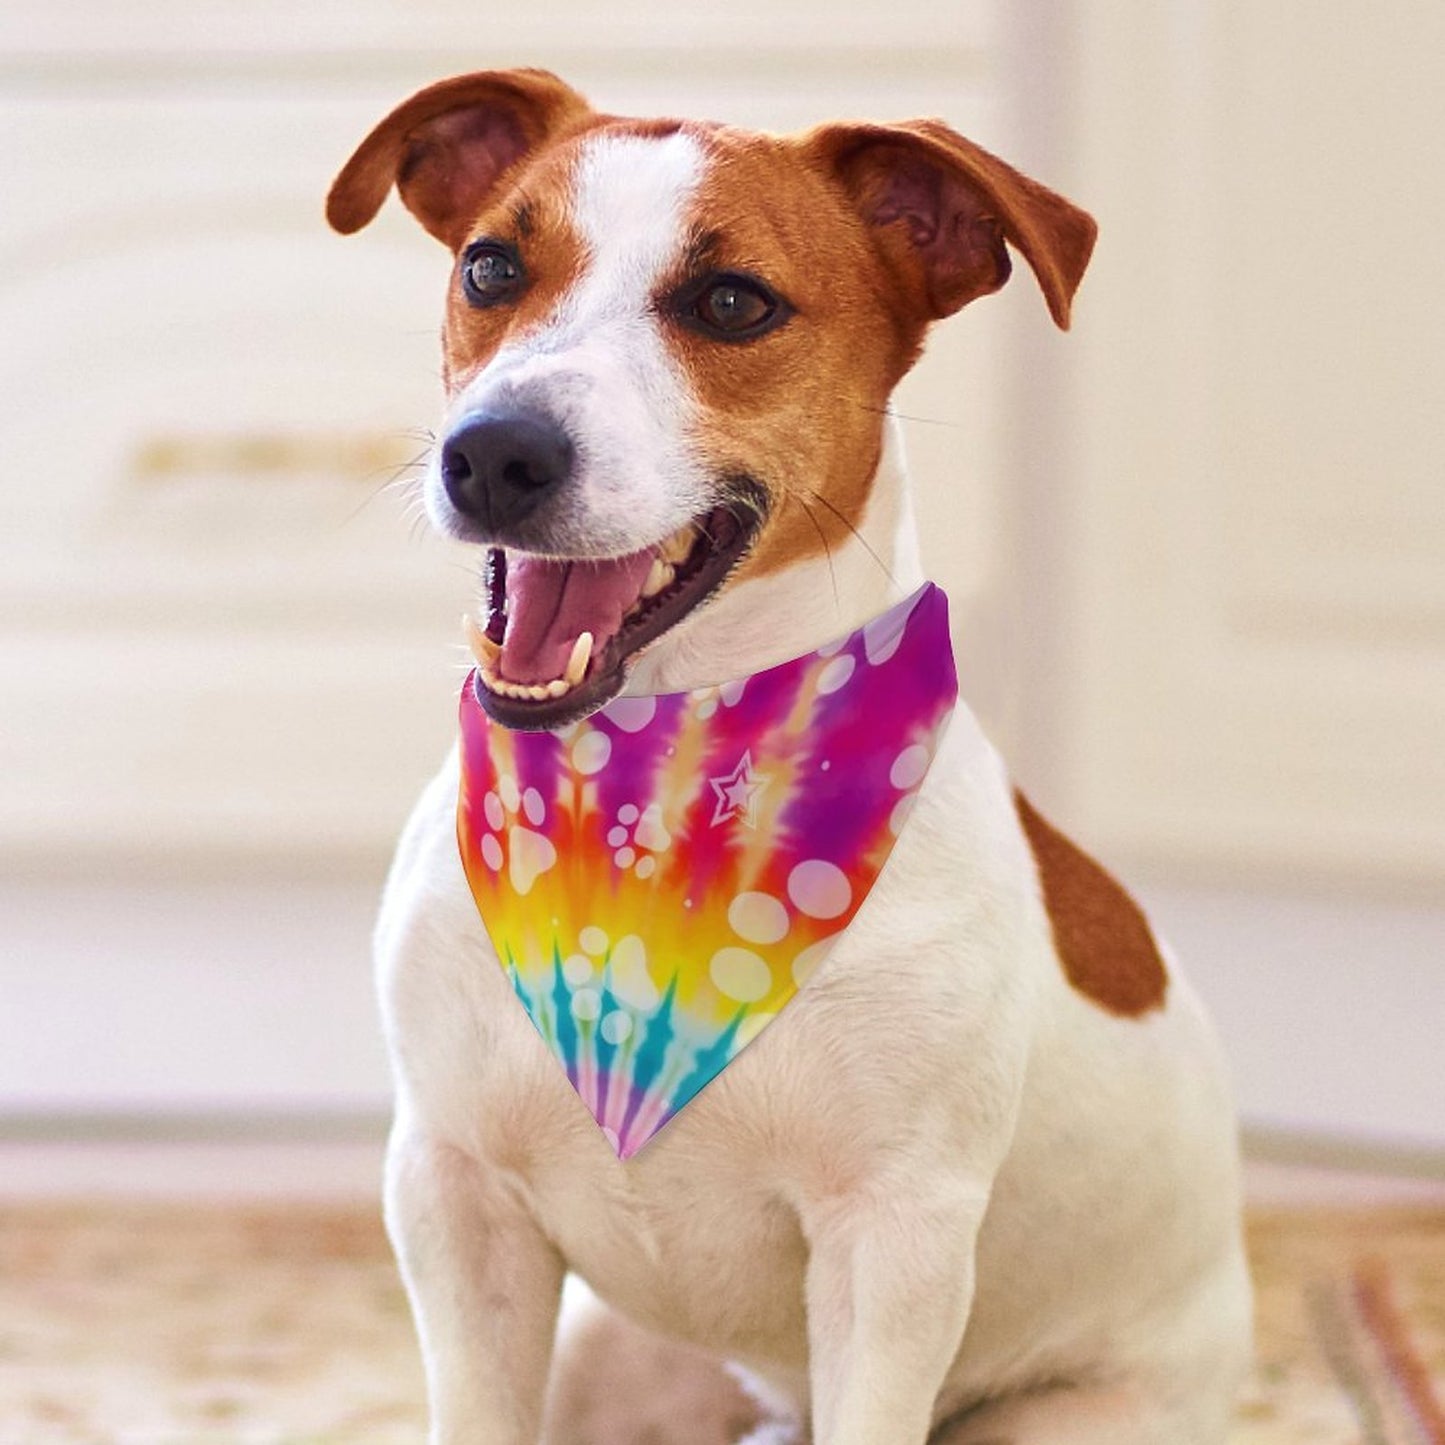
[[677, 546], [660, 575], [501, 686], [577, 664], [558, 687], [483, 649], [537, 691]]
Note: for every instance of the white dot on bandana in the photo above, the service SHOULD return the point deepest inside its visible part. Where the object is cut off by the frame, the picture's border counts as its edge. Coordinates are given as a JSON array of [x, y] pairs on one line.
[[731, 692], [632, 714], [901, 809], [836, 673], [758, 917], [586, 1003], [806, 963], [740, 974], [624, 857], [593, 940], [577, 969], [882, 636], [646, 866], [707, 707], [819, 889], [591, 751], [507, 787], [909, 767], [491, 853], [492, 807], [532, 806], [616, 837], [616, 1027], [627, 813]]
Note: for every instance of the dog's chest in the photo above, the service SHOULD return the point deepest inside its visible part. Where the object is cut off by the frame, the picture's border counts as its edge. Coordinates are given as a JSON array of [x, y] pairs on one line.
[[696, 1232], [701, 1229]]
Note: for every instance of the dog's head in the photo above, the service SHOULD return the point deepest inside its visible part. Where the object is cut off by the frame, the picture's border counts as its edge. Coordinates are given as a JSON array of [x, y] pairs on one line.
[[669, 346]]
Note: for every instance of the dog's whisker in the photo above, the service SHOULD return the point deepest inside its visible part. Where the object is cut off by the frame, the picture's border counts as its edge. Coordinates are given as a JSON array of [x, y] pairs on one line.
[[827, 550], [403, 478], [905, 416], [862, 540]]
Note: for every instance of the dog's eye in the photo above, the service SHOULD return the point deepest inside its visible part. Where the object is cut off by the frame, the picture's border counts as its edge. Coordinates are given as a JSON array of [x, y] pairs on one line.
[[735, 307], [491, 273]]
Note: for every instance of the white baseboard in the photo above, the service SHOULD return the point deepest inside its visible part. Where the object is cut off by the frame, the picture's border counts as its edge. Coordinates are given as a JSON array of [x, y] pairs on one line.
[[1330, 1008], [156, 997]]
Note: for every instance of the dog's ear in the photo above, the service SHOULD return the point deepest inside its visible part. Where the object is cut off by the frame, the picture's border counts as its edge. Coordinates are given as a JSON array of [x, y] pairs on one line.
[[941, 209], [448, 146]]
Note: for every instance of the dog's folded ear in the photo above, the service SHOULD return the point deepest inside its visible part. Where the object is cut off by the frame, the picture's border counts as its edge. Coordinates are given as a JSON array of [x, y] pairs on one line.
[[942, 208], [446, 148]]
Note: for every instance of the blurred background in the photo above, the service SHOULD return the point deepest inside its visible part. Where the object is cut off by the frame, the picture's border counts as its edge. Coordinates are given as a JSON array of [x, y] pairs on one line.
[[1196, 547]]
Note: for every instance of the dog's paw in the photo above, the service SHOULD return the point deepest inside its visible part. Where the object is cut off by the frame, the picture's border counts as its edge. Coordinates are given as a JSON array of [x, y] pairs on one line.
[[779, 1432], [614, 1383], [777, 1418]]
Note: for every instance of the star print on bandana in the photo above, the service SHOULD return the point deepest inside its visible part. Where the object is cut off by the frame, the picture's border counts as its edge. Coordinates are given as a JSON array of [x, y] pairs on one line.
[[649, 945], [737, 794]]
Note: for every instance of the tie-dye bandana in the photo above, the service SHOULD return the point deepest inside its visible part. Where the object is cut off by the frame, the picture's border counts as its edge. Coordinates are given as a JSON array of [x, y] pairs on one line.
[[661, 878]]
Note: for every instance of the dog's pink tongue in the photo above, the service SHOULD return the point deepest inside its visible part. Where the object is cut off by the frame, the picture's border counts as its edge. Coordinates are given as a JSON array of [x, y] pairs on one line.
[[550, 604]]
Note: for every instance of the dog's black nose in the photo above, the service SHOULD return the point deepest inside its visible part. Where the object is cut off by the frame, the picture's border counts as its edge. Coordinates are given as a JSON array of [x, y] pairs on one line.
[[496, 469]]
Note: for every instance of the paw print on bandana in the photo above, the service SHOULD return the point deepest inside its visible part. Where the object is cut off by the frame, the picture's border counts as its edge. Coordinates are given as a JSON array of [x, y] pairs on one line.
[[509, 838], [636, 835]]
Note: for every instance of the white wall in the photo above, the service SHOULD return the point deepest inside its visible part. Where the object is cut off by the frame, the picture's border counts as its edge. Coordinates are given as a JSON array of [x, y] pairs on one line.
[[1197, 545]]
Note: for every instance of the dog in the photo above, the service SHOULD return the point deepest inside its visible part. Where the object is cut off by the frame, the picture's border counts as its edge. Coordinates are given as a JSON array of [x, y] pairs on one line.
[[979, 1183]]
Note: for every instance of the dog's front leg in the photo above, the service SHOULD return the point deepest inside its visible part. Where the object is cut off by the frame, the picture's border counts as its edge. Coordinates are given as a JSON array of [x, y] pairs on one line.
[[889, 1287], [485, 1287]]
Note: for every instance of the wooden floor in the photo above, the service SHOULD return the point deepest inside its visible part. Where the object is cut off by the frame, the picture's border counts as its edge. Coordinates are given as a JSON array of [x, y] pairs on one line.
[[186, 1294]]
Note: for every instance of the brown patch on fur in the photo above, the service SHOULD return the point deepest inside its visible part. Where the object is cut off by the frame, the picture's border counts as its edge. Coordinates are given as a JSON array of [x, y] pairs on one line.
[[446, 148], [799, 408], [942, 208], [1101, 936], [869, 232], [531, 211]]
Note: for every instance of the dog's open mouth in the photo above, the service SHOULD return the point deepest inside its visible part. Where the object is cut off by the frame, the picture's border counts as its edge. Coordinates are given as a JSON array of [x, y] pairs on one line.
[[560, 631]]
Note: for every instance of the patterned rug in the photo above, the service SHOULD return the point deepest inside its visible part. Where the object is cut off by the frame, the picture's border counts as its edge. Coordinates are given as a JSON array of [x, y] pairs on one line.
[[163, 1325]]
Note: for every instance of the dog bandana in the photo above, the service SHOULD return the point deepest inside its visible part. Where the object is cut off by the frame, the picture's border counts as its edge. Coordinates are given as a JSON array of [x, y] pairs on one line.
[[661, 878]]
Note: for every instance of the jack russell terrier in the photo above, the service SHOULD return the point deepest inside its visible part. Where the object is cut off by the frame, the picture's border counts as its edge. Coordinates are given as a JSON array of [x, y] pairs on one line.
[[722, 966]]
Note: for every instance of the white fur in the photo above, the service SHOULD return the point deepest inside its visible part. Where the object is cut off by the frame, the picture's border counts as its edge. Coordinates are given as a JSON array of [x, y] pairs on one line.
[[599, 365], [941, 1182]]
